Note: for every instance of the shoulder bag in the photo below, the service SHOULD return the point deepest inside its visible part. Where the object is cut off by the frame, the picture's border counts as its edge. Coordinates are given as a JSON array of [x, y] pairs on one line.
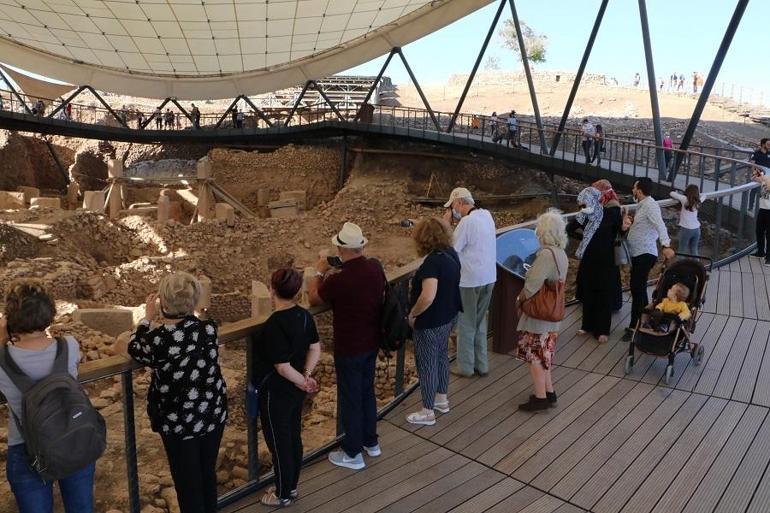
[[547, 304], [622, 253]]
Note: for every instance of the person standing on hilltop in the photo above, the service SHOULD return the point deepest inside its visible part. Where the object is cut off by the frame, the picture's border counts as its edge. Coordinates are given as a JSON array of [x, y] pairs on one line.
[[637, 78]]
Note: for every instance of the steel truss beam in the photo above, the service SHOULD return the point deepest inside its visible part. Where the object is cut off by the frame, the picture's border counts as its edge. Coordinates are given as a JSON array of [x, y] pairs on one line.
[[65, 102], [419, 89], [248, 101], [327, 100], [14, 92], [653, 86], [375, 83], [296, 104], [152, 117], [708, 85], [528, 73], [483, 50], [579, 76]]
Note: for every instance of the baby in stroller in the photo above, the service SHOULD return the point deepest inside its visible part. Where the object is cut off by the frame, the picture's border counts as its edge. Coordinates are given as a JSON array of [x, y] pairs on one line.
[[675, 303]]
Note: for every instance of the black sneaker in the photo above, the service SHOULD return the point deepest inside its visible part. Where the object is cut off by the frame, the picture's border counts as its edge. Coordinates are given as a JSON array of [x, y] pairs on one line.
[[535, 404], [549, 396], [758, 255], [767, 262]]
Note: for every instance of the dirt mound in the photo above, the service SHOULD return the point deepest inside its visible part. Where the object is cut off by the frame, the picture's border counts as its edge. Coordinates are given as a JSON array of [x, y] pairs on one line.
[[26, 160], [16, 244]]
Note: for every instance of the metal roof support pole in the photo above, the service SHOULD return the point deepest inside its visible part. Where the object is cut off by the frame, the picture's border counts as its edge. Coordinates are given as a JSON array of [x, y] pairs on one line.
[[483, 50], [419, 89], [579, 76], [528, 73], [14, 92], [374, 84], [327, 100], [256, 110], [182, 109], [653, 86], [106, 106], [65, 102], [296, 104], [708, 85], [160, 108], [227, 111]]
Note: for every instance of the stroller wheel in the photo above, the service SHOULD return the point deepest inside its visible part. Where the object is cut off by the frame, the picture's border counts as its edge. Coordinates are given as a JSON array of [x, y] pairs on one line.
[[668, 376], [629, 365], [697, 357]]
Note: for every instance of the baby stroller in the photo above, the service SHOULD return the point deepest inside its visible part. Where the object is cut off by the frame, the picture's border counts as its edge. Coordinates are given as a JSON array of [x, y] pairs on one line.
[[666, 335]]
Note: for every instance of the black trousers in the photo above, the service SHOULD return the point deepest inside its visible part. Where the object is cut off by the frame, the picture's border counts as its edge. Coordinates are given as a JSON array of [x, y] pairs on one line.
[[763, 231], [357, 402], [587, 145], [281, 414], [640, 272], [193, 465]]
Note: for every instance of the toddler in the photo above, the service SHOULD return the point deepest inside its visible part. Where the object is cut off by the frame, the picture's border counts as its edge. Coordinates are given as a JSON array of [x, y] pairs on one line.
[[675, 301]]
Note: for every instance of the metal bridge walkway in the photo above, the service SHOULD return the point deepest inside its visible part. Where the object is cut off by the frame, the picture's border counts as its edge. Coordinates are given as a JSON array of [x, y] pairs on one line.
[[614, 444]]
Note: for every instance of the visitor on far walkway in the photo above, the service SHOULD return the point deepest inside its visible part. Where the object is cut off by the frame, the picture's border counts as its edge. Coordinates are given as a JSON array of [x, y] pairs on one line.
[[158, 115], [761, 159], [475, 243], [29, 311], [187, 398], [644, 230], [239, 119], [493, 127], [598, 145], [435, 303], [286, 353], [537, 343], [597, 228], [588, 133], [169, 119], [513, 130], [637, 78], [196, 116], [668, 152], [355, 293], [689, 225]]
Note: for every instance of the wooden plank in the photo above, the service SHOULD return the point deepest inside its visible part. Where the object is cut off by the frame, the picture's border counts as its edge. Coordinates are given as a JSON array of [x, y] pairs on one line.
[[458, 495], [736, 295], [490, 430], [748, 476], [725, 293], [709, 340], [690, 423], [590, 344], [711, 368], [732, 367], [545, 504], [518, 501], [663, 486], [713, 484], [712, 291], [747, 378], [760, 296], [533, 422], [533, 460], [702, 326], [600, 352], [755, 264], [490, 497], [654, 434], [600, 393], [749, 300], [761, 393]]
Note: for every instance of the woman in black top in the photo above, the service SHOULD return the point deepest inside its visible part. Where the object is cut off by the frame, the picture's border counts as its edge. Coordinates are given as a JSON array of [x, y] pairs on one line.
[[597, 274], [187, 398], [435, 303], [287, 351]]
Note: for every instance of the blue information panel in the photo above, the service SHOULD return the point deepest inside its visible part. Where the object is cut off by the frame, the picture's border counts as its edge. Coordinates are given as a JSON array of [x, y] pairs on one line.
[[516, 251]]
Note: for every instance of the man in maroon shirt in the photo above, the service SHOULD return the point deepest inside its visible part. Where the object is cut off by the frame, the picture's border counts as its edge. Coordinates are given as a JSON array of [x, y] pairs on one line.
[[354, 293]]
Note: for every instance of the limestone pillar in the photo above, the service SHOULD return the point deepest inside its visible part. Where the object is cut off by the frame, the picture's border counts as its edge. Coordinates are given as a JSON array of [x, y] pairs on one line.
[[204, 201], [164, 209], [205, 300], [225, 213], [73, 193], [93, 201], [261, 306], [263, 196], [115, 174], [309, 274]]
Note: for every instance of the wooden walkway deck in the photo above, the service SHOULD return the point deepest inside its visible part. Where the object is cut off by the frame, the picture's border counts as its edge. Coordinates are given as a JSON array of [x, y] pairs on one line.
[[615, 443]]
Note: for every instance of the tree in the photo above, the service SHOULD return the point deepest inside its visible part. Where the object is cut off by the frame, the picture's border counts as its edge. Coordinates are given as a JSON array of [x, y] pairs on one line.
[[536, 44], [492, 63]]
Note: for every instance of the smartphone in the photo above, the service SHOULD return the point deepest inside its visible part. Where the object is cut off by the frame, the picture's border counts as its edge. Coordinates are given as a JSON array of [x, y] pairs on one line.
[[334, 261]]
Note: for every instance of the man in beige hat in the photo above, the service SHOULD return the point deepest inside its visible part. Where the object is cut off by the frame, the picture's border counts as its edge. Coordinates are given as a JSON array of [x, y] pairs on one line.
[[475, 242], [355, 295]]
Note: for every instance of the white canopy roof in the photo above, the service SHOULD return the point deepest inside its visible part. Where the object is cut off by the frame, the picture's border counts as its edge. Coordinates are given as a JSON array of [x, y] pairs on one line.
[[195, 49]]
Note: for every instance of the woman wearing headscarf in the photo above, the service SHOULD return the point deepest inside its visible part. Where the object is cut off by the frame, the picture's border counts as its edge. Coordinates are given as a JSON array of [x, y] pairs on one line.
[[611, 203], [595, 286]]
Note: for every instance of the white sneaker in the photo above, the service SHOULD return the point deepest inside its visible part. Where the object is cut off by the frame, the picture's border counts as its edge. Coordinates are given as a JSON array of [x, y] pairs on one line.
[[341, 459], [420, 419], [373, 451]]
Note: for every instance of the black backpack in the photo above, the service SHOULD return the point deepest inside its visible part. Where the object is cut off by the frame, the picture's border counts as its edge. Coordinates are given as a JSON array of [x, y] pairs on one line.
[[62, 431], [394, 321]]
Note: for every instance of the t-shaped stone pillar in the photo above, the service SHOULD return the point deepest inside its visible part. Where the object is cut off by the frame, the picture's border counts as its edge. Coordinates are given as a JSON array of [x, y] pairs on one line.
[[205, 300], [204, 174], [260, 300], [164, 209], [115, 173], [73, 193]]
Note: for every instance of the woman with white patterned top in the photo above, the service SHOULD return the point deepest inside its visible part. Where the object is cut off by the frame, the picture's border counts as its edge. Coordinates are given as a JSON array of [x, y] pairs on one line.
[[187, 398]]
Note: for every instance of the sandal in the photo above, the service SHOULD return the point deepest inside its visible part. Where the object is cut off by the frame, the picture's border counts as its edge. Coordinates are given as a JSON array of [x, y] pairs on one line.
[[419, 418], [580, 333], [294, 493], [271, 499], [602, 339], [441, 407]]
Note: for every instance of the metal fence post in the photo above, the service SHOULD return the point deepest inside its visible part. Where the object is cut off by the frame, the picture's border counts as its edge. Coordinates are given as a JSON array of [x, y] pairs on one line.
[[251, 428], [129, 427]]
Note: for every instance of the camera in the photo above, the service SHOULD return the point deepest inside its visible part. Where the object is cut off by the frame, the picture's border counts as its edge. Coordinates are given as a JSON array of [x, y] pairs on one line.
[[334, 261]]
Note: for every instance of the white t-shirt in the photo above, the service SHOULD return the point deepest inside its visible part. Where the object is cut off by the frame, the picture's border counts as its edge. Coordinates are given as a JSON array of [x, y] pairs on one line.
[[589, 131], [475, 241], [764, 194], [687, 218], [513, 123]]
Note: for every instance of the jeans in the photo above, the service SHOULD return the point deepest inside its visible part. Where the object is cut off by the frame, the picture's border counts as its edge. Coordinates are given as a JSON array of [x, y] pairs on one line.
[[431, 350], [763, 231], [472, 329], [587, 145], [640, 272], [357, 403], [689, 238], [193, 465], [281, 416], [33, 495]]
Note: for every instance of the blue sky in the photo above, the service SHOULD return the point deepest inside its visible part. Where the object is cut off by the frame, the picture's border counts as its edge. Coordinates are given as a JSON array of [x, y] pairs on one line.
[[685, 36]]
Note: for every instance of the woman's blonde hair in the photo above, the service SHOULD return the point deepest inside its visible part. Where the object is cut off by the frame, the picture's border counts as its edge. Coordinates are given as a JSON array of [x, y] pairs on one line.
[[551, 230], [431, 234], [179, 293]]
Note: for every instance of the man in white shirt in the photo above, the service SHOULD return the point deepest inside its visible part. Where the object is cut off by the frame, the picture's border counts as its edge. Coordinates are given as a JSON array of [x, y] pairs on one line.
[[589, 134], [475, 243], [644, 231], [513, 128]]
